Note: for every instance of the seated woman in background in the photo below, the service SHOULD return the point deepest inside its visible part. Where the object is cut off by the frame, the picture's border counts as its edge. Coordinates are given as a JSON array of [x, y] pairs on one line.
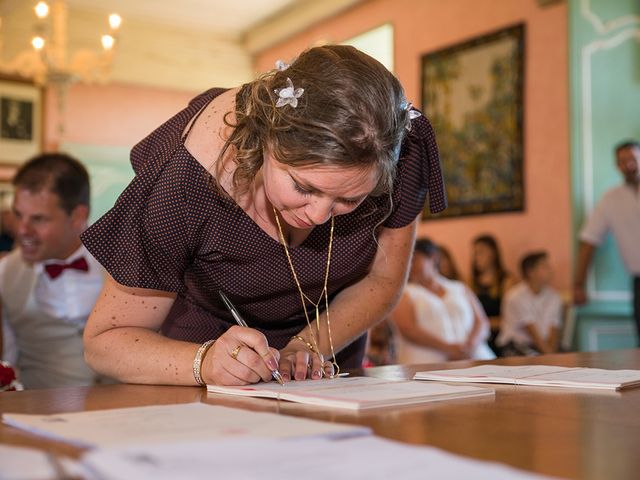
[[447, 266], [438, 319], [490, 280]]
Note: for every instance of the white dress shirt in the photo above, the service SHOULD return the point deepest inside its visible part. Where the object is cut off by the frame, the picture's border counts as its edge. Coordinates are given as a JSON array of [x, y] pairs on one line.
[[618, 211], [522, 307], [72, 295], [69, 297]]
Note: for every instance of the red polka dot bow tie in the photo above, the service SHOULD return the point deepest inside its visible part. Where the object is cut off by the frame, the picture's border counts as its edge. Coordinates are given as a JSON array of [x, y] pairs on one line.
[[55, 269]]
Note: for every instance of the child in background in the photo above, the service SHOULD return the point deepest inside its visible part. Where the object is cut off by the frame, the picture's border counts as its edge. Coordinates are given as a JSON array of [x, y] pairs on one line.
[[531, 311]]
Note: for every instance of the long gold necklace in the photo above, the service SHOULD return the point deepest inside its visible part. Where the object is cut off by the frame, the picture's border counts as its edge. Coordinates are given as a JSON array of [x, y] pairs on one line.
[[304, 298]]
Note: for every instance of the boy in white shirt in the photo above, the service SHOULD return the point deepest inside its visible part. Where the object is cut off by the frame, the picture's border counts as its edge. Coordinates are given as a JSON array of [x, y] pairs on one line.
[[531, 311]]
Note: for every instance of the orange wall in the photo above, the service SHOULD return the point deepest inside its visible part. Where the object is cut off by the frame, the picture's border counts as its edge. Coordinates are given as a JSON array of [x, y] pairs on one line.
[[422, 26], [114, 114]]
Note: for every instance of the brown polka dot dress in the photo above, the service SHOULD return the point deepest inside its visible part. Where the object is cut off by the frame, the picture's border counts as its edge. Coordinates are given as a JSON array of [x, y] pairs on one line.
[[172, 230]]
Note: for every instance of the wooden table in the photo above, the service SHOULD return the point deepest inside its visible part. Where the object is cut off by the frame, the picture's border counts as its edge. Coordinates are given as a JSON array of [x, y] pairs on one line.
[[568, 433]]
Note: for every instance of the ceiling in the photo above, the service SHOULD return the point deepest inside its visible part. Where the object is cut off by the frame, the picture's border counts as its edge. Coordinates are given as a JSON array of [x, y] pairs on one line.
[[231, 18], [181, 44]]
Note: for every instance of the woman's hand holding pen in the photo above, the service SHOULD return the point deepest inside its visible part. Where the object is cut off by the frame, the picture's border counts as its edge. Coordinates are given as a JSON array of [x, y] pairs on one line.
[[240, 356], [299, 362]]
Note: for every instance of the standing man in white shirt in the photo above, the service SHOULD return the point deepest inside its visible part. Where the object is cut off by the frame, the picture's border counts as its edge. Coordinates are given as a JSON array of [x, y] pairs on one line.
[[531, 311], [618, 212], [49, 284]]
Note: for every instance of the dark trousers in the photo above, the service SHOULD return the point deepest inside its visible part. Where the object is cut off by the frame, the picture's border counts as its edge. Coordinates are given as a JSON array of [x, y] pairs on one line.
[[636, 305]]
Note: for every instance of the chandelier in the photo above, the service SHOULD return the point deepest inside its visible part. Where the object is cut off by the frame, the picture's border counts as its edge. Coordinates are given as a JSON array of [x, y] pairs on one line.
[[47, 61]]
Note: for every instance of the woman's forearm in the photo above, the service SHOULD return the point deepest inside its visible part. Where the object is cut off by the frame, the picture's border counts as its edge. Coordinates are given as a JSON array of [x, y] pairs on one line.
[[121, 338], [139, 355]]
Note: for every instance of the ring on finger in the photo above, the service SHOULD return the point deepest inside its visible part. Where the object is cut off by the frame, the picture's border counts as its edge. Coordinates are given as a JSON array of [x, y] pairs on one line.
[[234, 353], [328, 365]]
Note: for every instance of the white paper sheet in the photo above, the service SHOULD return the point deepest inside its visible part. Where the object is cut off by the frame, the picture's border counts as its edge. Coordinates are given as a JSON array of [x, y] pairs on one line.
[[23, 463], [362, 458], [172, 423]]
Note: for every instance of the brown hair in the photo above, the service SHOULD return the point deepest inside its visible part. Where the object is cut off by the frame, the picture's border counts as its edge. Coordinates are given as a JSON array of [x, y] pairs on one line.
[[454, 274], [531, 261], [352, 114], [626, 144], [492, 243], [60, 174]]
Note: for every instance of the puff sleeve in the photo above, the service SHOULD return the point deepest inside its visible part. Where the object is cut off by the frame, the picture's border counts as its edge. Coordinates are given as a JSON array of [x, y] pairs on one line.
[[419, 177]]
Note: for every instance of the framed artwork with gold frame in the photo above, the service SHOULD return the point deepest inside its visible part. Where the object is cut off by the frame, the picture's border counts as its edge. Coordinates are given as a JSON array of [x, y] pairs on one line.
[[20, 120], [472, 93]]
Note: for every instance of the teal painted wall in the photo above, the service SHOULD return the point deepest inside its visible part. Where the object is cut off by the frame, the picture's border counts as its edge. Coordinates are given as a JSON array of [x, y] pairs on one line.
[[604, 38], [109, 170]]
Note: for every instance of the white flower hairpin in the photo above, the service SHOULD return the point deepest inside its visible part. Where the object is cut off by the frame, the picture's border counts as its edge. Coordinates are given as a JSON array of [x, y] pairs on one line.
[[288, 95], [413, 113]]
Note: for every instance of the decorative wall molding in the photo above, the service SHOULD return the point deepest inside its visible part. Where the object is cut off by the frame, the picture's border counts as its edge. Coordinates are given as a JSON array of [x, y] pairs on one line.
[[596, 332], [587, 139], [603, 29]]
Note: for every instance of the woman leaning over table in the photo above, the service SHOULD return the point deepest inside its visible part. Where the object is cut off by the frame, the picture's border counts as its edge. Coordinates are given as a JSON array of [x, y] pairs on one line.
[[297, 195]]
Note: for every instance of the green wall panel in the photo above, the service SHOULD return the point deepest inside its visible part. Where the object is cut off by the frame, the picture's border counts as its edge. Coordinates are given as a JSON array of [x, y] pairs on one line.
[[109, 170], [604, 38]]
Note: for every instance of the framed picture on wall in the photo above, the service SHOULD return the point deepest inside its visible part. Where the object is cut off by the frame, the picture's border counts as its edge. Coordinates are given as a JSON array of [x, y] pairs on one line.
[[20, 120], [473, 94]]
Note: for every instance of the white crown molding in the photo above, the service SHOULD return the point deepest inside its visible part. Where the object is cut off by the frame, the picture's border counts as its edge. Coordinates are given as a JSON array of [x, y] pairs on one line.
[[602, 27]]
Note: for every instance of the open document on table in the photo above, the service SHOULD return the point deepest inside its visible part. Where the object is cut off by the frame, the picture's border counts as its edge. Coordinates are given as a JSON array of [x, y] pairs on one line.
[[538, 375], [355, 393]]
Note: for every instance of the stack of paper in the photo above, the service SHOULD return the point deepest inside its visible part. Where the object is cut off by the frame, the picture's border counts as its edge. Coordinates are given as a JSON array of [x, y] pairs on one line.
[[539, 375], [354, 393]]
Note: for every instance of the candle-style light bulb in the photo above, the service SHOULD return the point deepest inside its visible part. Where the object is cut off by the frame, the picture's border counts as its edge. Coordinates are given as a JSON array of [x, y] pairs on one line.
[[114, 21], [41, 9], [107, 42], [38, 43]]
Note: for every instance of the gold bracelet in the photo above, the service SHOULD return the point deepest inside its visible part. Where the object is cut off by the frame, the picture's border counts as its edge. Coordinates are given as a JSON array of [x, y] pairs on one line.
[[197, 361], [309, 346]]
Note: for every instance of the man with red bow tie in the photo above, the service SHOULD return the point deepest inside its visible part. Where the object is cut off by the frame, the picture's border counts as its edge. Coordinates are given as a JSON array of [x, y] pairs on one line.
[[49, 284]]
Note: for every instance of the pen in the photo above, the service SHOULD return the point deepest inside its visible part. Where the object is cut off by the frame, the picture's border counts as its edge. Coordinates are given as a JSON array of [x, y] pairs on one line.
[[240, 321]]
